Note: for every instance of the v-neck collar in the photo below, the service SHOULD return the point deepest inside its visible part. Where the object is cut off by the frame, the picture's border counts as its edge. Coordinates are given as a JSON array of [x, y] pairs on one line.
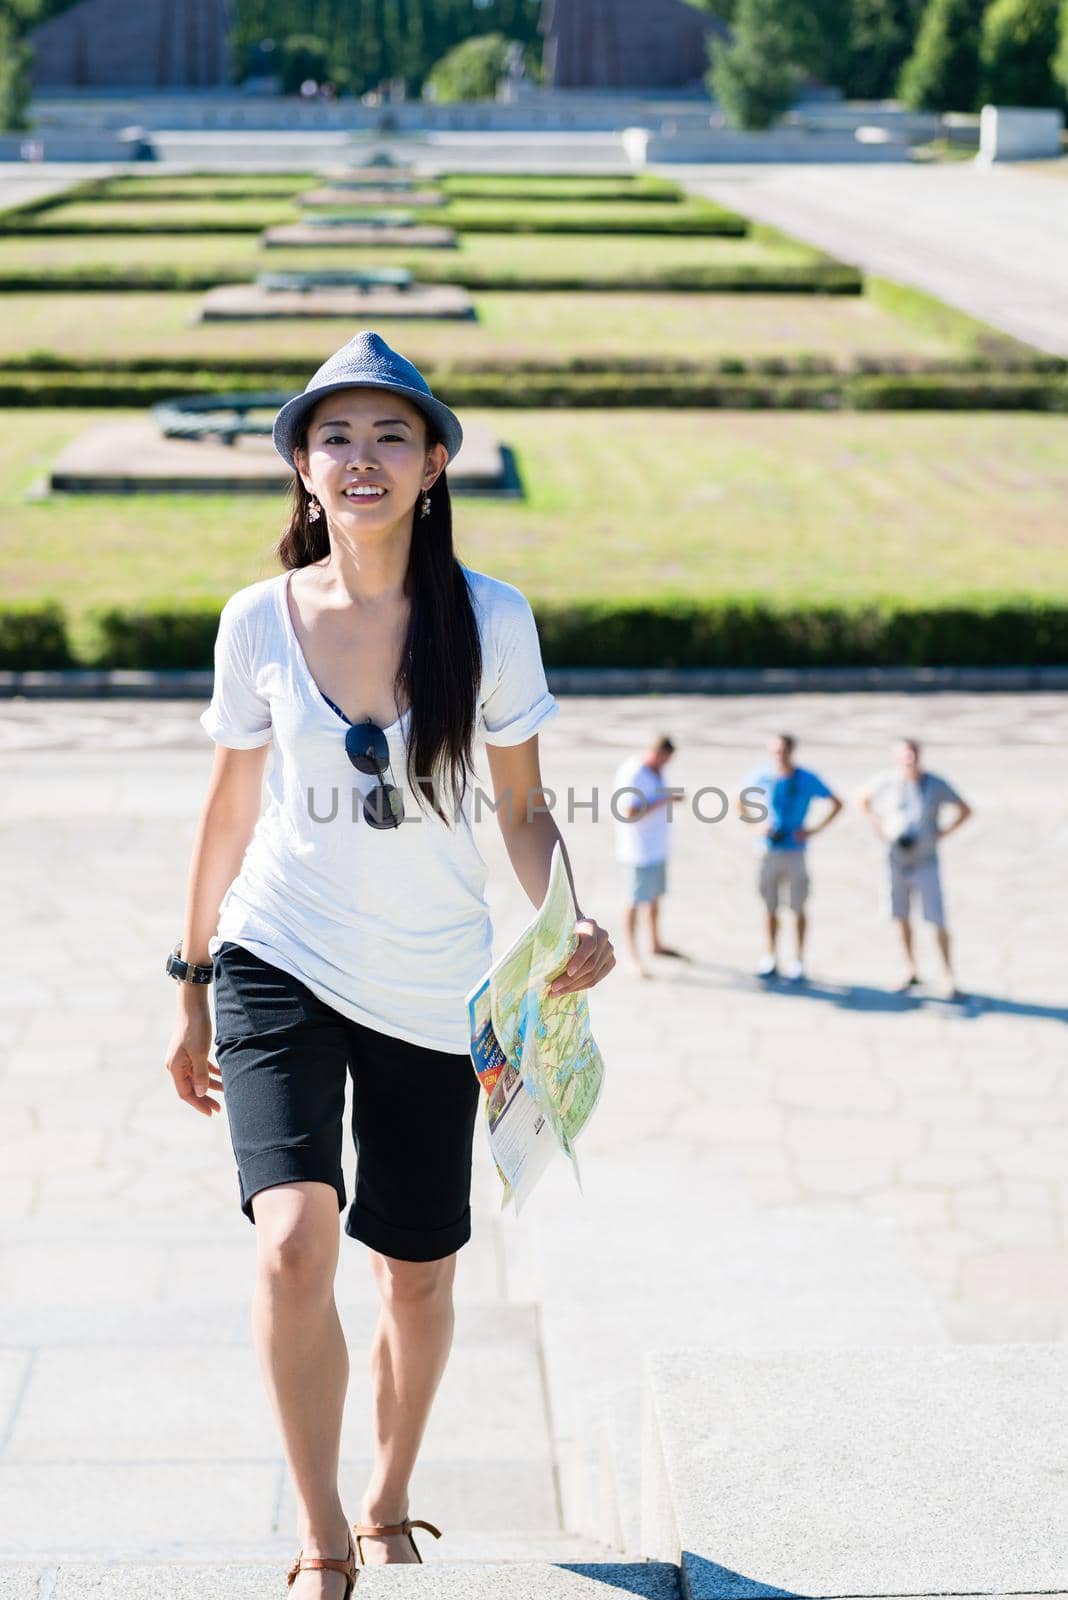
[[298, 654]]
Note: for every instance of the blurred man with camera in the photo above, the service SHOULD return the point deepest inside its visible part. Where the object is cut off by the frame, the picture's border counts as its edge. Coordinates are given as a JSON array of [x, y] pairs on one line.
[[785, 791], [903, 806]]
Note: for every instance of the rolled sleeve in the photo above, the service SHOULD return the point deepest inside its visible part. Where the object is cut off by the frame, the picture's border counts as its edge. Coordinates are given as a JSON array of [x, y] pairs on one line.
[[239, 716], [520, 701]]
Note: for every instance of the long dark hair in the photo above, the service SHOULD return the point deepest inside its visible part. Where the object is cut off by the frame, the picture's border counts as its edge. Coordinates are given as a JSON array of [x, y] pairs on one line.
[[441, 664]]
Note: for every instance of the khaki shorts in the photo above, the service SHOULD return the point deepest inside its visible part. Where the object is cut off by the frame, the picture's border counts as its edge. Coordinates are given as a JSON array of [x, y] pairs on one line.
[[779, 869], [922, 878]]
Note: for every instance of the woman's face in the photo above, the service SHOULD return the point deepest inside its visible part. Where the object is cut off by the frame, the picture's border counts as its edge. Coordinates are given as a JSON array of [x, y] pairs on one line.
[[373, 438]]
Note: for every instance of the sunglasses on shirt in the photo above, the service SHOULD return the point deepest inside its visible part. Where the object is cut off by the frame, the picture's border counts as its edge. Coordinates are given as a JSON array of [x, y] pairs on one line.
[[368, 749]]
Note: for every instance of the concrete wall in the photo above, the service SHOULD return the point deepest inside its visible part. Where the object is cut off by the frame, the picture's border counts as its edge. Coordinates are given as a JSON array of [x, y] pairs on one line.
[[1008, 133], [134, 43]]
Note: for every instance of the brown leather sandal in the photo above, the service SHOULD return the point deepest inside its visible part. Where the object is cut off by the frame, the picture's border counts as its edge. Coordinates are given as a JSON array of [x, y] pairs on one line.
[[364, 1530], [326, 1564]]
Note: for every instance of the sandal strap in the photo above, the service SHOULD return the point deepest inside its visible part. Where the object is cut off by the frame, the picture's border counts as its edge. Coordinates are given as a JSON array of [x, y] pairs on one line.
[[370, 1529], [304, 1563]]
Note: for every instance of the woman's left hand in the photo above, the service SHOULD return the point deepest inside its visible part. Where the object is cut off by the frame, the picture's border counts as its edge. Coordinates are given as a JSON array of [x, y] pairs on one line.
[[592, 959]]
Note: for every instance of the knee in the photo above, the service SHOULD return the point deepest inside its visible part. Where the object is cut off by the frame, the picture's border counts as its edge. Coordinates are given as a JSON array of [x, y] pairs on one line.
[[297, 1257], [414, 1283]]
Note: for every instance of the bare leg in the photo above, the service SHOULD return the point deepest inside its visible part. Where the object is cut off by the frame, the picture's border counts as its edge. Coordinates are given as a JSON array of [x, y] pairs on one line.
[[630, 930], [304, 1361], [410, 1350], [942, 935], [905, 927], [659, 948]]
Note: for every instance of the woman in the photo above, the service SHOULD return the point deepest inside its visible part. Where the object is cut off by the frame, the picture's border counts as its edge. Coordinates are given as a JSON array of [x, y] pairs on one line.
[[344, 926]]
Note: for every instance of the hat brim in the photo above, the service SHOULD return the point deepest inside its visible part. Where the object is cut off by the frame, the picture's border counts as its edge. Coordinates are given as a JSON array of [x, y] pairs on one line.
[[288, 421]]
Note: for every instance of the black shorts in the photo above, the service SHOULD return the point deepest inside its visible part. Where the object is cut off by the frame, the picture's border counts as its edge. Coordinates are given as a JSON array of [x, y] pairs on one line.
[[284, 1056]]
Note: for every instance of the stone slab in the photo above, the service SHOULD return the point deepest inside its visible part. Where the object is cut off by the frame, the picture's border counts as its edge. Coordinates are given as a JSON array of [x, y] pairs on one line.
[[853, 1471], [525, 1579], [161, 1401], [686, 1252], [1014, 133], [391, 177], [135, 458], [342, 195], [240, 302], [300, 236], [20, 1583], [649, 1580], [58, 1510], [473, 1497]]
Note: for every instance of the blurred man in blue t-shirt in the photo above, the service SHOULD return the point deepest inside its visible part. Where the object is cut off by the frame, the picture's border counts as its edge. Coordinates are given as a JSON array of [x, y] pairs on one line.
[[786, 791]]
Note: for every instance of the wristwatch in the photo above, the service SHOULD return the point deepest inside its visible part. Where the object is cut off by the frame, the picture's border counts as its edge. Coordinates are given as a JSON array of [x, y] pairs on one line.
[[186, 971]]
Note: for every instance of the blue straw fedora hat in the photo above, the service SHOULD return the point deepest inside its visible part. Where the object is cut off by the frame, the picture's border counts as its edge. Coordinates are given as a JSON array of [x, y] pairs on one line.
[[369, 361]]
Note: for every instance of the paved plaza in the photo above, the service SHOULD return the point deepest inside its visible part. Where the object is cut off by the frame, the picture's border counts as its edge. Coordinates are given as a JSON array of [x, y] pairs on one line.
[[992, 241], [736, 1120]]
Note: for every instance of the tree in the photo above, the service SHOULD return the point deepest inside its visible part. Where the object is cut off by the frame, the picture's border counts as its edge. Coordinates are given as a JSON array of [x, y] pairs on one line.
[[1016, 53], [302, 56], [17, 17], [753, 77], [942, 73], [880, 38], [1060, 60], [472, 70]]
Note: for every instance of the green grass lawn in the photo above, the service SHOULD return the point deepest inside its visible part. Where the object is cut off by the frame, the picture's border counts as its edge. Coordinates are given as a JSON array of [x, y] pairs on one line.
[[790, 507], [523, 257], [509, 327], [272, 185], [254, 212]]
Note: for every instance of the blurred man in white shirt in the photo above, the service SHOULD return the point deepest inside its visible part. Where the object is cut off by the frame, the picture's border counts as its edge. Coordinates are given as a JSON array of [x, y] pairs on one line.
[[643, 841]]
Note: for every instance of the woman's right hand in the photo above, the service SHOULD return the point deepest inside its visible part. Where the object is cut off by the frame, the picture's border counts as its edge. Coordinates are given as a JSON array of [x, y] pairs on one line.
[[187, 1059]]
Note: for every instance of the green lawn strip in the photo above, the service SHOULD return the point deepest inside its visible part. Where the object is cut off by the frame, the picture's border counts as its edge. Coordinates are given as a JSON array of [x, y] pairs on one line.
[[498, 261], [490, 186], [179, 217], [207, 186], [533, 187], [981, 342], [281, 186], [132, 331], [800, 509]]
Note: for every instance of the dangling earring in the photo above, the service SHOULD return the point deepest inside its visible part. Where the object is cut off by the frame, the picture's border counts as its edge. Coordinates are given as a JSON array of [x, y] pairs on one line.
[[315, 510], [424, 507]]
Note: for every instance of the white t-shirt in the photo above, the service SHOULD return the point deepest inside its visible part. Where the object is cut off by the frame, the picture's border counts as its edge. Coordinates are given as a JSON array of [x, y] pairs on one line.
[[390, 927], [643, 838]]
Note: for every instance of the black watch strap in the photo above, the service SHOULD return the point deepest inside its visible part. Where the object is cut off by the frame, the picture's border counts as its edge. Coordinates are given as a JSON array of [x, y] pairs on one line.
[[187, 971]]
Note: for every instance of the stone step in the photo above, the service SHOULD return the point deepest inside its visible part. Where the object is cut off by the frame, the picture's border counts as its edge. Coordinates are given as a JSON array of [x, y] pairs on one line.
[[566, 1570], [169, 1449], [706, 1267], [859, 1471]]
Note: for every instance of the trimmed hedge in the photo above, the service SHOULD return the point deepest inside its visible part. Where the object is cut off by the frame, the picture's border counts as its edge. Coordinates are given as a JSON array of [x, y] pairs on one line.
[[679, 220], [579, 390], [800, 364], [801, 277], [34, 636], [682, 632], [751, 633]]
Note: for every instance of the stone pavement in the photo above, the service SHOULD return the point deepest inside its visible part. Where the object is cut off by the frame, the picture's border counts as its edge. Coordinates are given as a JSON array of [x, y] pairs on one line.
[[132, 1421], [23, 181], [991, 241]]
